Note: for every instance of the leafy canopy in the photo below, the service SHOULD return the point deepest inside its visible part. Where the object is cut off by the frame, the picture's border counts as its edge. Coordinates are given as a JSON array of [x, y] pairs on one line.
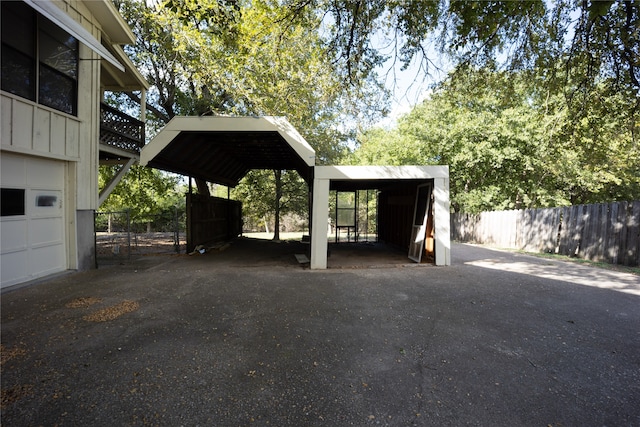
[[510, 144]]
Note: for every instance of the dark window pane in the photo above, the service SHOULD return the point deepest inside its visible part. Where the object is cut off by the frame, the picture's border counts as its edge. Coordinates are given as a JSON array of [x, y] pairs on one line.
[[346, 218], [50, 78], [57, 90], [18, 73], [12, 202], [58, 49], [58, 56], [18, 27], [46, 200], [58, 34]]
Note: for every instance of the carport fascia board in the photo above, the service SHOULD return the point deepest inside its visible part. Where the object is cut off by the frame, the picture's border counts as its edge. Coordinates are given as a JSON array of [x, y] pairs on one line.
[[234, 124], [380, 172], [323, 175]]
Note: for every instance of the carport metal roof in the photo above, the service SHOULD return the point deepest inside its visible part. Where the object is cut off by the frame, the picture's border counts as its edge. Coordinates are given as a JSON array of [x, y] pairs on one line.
[[223, 149]]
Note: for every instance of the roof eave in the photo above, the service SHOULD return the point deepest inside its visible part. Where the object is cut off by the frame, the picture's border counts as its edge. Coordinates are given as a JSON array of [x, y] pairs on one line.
[[112, 23]]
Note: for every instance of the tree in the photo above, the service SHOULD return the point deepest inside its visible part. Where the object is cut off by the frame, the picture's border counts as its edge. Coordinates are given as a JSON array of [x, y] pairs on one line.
[[145, 192], [580, 48], [235, 57], [597, 37], [291, 197], [292, 75], [511, 144]]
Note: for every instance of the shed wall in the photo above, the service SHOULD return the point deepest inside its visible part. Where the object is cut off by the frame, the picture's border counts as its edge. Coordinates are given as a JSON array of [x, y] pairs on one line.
[[212, 219], [395, 215]]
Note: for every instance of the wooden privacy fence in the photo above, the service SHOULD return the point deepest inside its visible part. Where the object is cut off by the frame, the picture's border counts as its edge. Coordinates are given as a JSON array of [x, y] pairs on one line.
[[212, 219], [608, 232]]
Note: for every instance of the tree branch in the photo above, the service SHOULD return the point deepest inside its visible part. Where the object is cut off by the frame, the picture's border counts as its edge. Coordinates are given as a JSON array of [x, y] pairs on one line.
[[159, 114]]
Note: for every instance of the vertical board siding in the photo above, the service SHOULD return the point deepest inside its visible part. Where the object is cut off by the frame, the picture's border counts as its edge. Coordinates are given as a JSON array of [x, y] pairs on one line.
[[32, 128], [608, 232]]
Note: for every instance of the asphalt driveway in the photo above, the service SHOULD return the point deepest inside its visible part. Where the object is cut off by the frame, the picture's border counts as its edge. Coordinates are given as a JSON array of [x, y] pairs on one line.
[[496, 339]]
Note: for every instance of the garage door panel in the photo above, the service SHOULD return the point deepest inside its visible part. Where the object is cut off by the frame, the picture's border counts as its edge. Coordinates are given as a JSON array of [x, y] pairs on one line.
[[45, 231], [14, 235], [14, 268], [33, 244], [46, 260], [44, 203], [44, 173]]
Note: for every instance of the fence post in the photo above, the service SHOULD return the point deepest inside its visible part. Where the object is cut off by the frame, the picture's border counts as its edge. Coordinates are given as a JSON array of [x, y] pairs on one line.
[[128, 234], [176, 231], [623, 219], [633, 235], [95, 238]]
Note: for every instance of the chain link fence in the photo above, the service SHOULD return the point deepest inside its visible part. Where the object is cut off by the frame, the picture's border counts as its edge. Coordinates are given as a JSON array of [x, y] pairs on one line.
[[119, 236]]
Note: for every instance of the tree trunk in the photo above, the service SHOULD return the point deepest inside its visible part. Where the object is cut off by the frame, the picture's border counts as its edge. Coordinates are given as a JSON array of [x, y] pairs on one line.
[[276, 226], [203, 188]]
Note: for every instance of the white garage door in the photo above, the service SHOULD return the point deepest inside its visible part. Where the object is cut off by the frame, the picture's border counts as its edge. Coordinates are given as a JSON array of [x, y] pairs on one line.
[[32, 222]]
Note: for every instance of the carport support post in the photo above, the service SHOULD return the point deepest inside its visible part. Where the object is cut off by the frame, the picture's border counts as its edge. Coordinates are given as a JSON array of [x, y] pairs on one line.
[[319, 224], [442, 220]]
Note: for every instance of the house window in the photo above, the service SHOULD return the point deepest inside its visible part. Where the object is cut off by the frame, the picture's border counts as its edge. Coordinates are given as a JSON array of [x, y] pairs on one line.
[[39, 59], [12, 202]]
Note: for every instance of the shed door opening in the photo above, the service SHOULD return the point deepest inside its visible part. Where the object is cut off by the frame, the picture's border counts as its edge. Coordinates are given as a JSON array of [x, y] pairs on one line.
[[420, 217], [346, 216]]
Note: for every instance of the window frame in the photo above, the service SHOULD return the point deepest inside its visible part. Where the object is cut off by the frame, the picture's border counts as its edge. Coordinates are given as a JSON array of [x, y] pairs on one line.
[[43, 91]]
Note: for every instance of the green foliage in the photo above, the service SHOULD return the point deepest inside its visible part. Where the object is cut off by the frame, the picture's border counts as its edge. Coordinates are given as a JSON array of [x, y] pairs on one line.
[[510, 145], [595, 39], [553, 122], [241, 58], [145, 192], [258, 183]]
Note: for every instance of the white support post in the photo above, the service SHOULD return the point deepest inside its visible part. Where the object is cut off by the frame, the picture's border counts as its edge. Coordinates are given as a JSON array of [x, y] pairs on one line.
[[319, 225], [442, 220]]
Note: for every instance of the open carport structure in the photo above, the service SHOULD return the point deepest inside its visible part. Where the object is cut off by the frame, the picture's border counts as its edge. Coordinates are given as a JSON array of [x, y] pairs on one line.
[[223, 150]]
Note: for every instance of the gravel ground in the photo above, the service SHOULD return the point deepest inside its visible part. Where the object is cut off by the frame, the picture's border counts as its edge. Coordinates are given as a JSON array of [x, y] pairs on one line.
[[495, 339]]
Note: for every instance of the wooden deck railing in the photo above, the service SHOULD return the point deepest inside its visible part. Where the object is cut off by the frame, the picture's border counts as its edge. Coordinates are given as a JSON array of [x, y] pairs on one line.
[[120, 130]]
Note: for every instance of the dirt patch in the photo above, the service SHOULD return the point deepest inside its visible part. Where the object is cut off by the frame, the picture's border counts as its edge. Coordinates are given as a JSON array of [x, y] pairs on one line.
[[83, 302], [15, 393], [113, 312], [8, 354]]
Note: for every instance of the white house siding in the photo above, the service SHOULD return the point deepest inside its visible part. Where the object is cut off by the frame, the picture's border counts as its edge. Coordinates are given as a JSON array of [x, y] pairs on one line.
[[33, 129], [47, 152]]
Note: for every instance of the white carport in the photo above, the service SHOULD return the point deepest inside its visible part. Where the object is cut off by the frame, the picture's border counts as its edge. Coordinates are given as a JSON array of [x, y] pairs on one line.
[[223, 149], [326, 177]]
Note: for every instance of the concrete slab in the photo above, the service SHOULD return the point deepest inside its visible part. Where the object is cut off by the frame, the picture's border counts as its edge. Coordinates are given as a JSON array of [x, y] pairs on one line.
[[495, 339]]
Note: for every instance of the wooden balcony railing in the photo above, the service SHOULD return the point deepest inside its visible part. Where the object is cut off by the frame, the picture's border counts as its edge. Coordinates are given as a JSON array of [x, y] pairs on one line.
[[120, 130]]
